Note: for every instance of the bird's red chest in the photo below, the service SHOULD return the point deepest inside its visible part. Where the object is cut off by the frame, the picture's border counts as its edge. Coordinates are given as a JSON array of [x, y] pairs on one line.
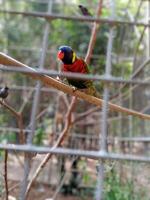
[[79, 66]]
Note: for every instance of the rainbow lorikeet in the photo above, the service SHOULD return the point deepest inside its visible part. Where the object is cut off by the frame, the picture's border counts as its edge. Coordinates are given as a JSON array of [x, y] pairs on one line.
[[71, 63]]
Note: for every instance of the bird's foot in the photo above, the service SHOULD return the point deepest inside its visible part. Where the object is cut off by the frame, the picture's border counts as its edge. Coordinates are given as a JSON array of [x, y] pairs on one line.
[[74, 89], [85, 90], [58, 79]]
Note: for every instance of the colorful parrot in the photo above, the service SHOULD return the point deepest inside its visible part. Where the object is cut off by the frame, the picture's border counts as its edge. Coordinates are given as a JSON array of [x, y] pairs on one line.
[[71, 63]]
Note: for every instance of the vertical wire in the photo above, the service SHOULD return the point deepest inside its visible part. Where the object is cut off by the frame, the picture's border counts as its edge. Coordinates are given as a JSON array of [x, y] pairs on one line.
[[104, 127], [35, 108], [148, 20]]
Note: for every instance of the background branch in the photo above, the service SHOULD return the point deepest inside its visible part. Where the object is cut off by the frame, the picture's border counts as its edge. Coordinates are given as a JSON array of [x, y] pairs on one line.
[[94, 34], [18, 116], [58, 143], [5, 174]]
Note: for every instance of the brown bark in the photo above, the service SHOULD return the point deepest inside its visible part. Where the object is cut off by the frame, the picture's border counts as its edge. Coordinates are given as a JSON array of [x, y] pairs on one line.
[[50, 82], [19, 119], [5, 175], [58, 143], [94, 33]]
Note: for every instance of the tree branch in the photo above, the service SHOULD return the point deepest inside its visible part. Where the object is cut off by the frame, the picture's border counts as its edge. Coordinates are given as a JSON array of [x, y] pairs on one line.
[[19, 120], [5, 174], [94, 33], [50, 82], [58, 143], [83, 115]]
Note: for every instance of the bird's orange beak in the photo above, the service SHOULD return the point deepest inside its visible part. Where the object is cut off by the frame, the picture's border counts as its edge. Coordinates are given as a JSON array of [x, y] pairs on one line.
[[60, 55]]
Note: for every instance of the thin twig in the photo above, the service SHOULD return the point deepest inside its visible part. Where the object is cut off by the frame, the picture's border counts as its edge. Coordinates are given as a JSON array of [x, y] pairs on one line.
[[65, 100], [9, 108], [41, 113], [25, 101], [94, 33], [68, 122], [58, 143], [11, 188], [83, 115], [90, 51], [18, 116], [63, 178], [5, 174]]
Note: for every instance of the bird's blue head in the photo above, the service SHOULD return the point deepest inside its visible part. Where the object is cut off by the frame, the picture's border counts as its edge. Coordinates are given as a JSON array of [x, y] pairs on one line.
[[66, 55]]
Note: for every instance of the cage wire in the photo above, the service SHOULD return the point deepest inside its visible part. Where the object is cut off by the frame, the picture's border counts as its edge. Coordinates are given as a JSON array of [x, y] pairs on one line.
[[112, 151]]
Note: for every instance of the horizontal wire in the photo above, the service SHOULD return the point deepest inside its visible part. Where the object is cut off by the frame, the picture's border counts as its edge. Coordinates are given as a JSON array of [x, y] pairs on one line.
[[16, 130], [74, 18], [53, 73], [43, 89], [83, 136], [65, 151]]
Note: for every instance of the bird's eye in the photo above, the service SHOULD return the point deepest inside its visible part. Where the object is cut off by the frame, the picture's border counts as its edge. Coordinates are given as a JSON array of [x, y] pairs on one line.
[[60, 55]]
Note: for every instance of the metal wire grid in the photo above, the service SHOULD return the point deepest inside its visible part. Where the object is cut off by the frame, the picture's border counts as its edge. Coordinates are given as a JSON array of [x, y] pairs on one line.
[[102, 154]]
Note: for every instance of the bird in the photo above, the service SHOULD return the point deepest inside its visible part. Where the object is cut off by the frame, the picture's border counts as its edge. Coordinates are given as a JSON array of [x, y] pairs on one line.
[[72, 63], [84, 10], [4, 92]]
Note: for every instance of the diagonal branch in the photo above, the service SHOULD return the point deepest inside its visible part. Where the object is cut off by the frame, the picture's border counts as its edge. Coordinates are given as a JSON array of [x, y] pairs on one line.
[[83, 115], [19, 120], [50, 82], [67, 124], [5, 174], [58, 143], [94, 33]]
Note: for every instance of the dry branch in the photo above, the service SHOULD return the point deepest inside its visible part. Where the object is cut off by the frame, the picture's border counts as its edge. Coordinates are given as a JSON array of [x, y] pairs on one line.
[[25, 101], [91, 46], [83, 115], [94, 33], [50, 82], [58, 143], [18, 116], [5, 174]]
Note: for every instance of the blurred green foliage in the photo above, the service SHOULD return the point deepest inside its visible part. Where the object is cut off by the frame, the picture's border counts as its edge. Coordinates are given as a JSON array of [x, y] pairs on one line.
[[116, 189], [39, 134]]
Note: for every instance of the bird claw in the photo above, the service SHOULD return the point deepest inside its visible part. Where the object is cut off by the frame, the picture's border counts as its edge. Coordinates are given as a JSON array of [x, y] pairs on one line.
[[74, 89], [82, 90]]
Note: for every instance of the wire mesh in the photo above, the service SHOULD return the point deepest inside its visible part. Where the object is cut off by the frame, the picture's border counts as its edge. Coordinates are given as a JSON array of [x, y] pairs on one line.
[[125, 140]]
